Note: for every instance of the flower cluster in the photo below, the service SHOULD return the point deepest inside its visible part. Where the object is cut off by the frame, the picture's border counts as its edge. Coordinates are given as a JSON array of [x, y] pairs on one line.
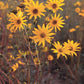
[[68, 48], [39, 23]]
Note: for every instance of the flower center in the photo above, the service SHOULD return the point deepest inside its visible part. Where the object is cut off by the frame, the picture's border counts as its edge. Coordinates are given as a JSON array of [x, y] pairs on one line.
[[18, 21], [60, 50], [54, 6], [71, 48], [42, 35], [35, 11], [54, 22]]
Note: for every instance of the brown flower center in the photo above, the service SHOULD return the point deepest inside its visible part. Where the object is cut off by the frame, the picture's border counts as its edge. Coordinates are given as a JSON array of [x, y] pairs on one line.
[[42, 35], [54, 6], [54, 22], [60, 50], [71, 48], [18, 21], [35, 11]]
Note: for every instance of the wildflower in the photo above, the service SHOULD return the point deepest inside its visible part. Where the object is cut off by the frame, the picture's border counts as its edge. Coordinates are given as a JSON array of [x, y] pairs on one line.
[[56, 22], [11, 57], [0, 18], [81, 14], [54, 5], [19, 62], [77, 9], [0, 28], [35, 9], [1, 5], [67, 17], [15, 67], [36, 61], [24, 83], [72, 30], [42, 34], [17, 21], [10, 36], [72, 47], [21, 54], [18, 8], [10, 47], [77, 26], [11, 6], [82, 11], [50, 57], [59, 49], [77, 3]]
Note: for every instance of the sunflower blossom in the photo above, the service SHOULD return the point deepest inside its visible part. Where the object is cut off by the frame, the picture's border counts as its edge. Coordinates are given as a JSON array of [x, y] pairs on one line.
[[42, 34], [56, 22], [16, 21], [35, 9], [55, 5], [3, 6], [59, 49], [72, 47]]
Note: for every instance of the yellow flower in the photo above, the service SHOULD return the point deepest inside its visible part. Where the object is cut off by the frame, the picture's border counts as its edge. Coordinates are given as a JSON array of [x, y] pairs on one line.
[[36, 61], [72, 30], [35, 9], [42, 34], [54, 5], [56, 22], [0, 18], [59, 49], [77, 3], [21, 54], [82, 11], [67, 17], [11, 57], [17, 21], [15, 67], [21, 62], [77, 9], [50, 57], [11, 6], [0, 28], [1, 5], [72, 47], [18, 8], [10, 47], [77, 26], [10, 36], [81, 14]]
